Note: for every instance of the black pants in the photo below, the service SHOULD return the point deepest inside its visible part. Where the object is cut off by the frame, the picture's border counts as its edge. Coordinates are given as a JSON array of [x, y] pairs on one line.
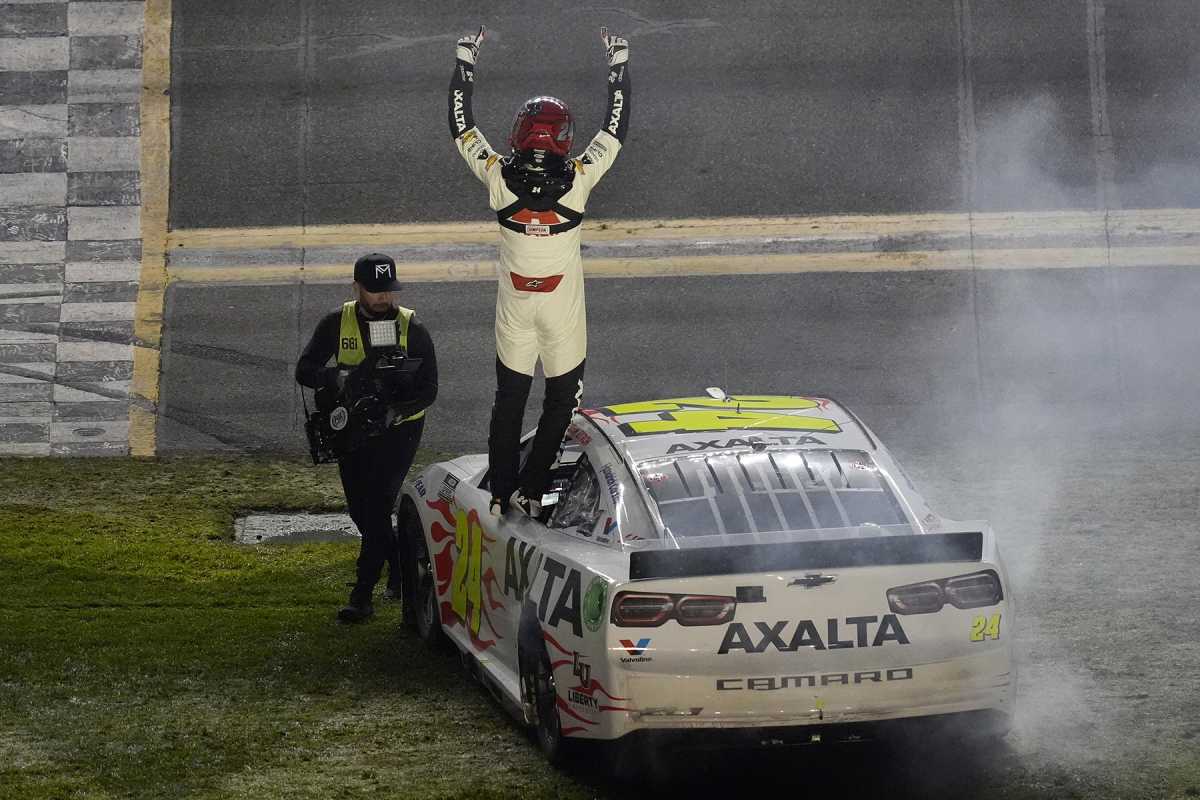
[[371, 478], [512, 391]]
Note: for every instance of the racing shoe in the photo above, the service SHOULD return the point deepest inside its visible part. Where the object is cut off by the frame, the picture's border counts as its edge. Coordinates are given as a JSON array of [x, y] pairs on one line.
[[528, 506]]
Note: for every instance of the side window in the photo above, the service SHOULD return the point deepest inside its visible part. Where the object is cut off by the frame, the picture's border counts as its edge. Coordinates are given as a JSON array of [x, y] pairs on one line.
[[580, 504]]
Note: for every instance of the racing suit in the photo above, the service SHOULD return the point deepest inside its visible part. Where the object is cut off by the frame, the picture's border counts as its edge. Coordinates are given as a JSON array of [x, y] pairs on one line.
[[540, 309]]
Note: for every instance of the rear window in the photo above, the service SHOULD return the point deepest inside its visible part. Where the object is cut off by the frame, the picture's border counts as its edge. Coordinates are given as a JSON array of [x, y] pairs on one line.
[[777, 490]]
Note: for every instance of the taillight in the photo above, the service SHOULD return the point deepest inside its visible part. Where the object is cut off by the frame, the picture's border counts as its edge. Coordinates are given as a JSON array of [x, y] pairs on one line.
[[974, 590], [697, 609], [962, 591], [634, 610], [646, 610], [918, 598]]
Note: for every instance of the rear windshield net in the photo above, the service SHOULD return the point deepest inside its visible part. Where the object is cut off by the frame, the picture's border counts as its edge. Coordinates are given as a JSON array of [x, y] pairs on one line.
[[779, 490]]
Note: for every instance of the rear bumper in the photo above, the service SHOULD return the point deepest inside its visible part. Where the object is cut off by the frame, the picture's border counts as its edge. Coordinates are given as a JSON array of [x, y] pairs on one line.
[[941, 690], [969, 725]]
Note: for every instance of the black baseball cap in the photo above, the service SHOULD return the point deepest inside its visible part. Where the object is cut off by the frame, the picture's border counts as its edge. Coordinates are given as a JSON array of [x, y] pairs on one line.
[[376, 272]]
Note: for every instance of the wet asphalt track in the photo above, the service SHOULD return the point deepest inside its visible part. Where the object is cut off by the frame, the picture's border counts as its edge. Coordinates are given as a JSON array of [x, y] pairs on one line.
[[1058, 404], [298, 111]]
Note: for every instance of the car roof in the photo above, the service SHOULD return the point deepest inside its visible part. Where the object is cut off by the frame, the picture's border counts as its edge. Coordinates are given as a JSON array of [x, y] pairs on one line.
[[654, 428]]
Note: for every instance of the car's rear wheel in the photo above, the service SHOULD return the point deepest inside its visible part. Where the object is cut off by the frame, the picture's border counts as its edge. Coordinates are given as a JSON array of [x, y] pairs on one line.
[[424, 613], [541, 696], [548, 727]]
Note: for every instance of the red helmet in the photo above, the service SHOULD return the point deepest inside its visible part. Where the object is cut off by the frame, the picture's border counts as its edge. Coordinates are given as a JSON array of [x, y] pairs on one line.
[[543, 123]]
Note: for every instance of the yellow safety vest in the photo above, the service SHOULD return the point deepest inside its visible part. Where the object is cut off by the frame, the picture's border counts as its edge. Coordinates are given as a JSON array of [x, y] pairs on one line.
[[350, 346]]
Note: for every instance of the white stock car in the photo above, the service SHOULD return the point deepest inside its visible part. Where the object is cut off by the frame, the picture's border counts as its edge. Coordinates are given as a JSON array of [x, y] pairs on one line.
[[755, 563]]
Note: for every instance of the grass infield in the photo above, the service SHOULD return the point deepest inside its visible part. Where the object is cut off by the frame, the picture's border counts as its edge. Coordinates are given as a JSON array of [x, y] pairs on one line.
[[145, 654]]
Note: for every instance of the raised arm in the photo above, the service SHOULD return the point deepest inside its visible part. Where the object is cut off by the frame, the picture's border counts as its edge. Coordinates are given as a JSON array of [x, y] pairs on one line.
[[619, 87], [462, 83], [470, 142], [603, 149]]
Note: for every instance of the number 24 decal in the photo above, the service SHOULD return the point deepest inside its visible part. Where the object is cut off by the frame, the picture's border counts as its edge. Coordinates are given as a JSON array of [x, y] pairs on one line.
[[985, 628], [466, 588]]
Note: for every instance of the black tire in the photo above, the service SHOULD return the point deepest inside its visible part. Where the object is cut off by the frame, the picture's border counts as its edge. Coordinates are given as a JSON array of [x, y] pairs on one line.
[[547, 728], [421, 609], [541, 694]]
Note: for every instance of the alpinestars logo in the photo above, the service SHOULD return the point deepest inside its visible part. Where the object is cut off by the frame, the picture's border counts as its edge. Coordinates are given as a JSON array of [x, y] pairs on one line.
[[635, 650]]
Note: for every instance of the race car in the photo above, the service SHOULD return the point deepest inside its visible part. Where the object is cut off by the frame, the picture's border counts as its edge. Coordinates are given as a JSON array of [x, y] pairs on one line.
[[750, 564]]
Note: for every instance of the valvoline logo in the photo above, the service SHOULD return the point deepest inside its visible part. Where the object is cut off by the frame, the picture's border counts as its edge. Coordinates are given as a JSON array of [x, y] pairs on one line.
[[635, 648]]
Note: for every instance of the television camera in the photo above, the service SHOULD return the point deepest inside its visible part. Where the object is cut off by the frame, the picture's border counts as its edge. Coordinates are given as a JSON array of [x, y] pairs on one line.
[[362, 404]]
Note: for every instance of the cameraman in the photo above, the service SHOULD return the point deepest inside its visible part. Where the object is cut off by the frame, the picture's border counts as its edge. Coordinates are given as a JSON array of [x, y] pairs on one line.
[[386, 416]]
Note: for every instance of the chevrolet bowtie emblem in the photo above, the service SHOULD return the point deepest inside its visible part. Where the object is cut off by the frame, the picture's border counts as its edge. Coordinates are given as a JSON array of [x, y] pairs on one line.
[[813, 581]]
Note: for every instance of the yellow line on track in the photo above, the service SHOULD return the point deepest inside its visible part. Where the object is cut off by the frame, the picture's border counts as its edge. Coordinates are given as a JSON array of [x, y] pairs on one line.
[[1014, 225], [155, 190], [908, 261]]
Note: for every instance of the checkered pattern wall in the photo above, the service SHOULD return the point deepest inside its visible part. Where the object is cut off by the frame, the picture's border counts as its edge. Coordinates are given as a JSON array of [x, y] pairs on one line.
[[70, 247]]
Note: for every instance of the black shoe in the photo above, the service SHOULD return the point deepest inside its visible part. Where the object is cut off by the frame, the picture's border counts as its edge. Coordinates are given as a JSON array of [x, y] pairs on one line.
[[393, 593], [356, 612], [528, 506]]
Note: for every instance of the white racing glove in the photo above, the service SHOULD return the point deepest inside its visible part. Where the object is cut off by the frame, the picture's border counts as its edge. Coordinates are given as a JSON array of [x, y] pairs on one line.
[[467, 48], [617, 48]]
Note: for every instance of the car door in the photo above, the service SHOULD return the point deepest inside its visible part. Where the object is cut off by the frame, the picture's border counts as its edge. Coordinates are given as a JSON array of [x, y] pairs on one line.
[[568, 554], [519, 542]]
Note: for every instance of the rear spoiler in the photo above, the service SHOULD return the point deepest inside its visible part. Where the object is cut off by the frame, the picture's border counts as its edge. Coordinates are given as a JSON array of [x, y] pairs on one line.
[[925, 548]]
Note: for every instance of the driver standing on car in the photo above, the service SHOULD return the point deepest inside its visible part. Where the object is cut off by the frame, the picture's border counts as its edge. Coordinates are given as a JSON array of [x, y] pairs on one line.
[[539, 195], [374, 467]]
